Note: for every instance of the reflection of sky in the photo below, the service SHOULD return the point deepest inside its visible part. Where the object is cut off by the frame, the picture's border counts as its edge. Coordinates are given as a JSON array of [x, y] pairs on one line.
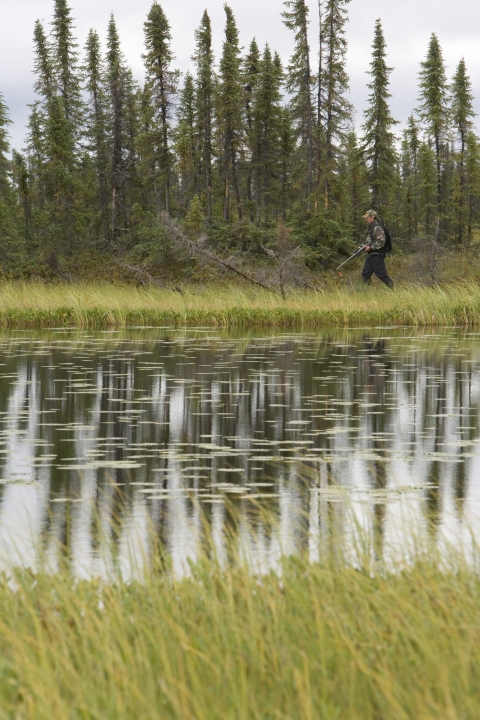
[[106, 441]]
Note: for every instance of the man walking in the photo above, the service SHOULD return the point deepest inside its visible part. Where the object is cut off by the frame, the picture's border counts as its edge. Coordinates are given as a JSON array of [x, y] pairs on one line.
[[376, 251]]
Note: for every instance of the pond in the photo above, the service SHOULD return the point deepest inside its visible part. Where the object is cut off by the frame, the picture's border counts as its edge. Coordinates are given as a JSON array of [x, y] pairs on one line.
[[108, 439]]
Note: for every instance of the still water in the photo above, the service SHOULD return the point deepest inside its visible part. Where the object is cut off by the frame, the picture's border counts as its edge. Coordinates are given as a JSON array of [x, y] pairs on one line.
[[108, 438]]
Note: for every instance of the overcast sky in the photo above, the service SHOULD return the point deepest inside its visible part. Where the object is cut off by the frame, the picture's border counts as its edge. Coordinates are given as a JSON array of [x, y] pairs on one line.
[[407, 26]]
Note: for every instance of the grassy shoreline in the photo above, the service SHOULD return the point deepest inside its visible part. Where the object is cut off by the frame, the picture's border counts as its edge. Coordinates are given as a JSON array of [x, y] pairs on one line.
[[319, 642], [35, 305]]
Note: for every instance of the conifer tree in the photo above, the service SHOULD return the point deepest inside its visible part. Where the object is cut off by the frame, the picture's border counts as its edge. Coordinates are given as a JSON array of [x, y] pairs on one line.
[[204, 103], [21, 175], [433, 109], [472, 167], [195, 219], [335, 110], [267, 116], [378, 139], [299, 83], [355, 186], [43, 63], [410, 175], [66, 63], [251, 69], [462, 117], [186, 141], [230, 112], [96, 125], [8, 220], [427, 186], [287, 146], [162, 81], [119, 84]]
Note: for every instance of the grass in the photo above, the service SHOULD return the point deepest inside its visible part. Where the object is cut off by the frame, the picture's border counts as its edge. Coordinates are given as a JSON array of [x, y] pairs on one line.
[[319, 642], [104, 305]]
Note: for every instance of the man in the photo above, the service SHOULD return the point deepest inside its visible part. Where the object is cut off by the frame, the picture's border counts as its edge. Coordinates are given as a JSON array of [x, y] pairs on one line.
[[376, 252]]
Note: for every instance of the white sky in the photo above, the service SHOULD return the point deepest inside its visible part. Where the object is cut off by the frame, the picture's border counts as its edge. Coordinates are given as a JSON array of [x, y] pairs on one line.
[[407, 25]]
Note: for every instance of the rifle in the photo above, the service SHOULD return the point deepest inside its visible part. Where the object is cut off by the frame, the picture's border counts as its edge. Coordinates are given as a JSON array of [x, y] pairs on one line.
[[355, 254]]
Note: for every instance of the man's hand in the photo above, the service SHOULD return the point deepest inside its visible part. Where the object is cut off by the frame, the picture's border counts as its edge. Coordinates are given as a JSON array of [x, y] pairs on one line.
[[367, 248]]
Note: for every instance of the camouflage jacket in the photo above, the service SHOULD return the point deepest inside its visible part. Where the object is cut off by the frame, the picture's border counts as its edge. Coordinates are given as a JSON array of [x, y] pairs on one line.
[[376, 238]]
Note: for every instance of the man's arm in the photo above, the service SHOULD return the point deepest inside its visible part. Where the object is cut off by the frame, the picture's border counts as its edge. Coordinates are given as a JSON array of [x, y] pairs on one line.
[[378, 242]]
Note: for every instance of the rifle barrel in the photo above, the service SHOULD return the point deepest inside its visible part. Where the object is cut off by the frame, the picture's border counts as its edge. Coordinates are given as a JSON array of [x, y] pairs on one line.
[[357, 252]]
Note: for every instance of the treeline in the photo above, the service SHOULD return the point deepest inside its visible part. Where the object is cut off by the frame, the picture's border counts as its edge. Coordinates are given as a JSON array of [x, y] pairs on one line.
[[233, 150]]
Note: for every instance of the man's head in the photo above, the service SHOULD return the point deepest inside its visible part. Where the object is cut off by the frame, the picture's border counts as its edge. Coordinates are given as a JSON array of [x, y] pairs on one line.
[[370, 216]]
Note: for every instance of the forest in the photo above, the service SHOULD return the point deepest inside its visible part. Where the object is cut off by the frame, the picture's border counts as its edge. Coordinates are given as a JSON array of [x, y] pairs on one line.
[[237, 158]]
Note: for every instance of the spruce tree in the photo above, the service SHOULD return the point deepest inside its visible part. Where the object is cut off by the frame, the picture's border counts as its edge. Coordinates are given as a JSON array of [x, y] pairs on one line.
[[410, 176], [299, 84], [162, 81], [267, 122], [22, 182], [9, 234], [96, 125], [427, 187], [186, 144], [119, 88], [229, 113], [355, 174], [335, 112], [66, 63], [43, 63], [433, 109], [251, 69], [472, 168], [195, 219], [378, 139], [462, 117], [204, 103]]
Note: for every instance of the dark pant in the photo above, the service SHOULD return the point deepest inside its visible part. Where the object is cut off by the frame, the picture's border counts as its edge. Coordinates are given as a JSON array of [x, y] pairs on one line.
[[376, 264]]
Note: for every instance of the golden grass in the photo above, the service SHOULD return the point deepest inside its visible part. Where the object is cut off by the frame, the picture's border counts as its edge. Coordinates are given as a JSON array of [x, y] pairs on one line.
[[317, 642], [104, 305]]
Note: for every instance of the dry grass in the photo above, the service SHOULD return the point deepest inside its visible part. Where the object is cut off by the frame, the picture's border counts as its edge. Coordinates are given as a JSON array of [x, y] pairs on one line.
[[319, 642], [103, 305]]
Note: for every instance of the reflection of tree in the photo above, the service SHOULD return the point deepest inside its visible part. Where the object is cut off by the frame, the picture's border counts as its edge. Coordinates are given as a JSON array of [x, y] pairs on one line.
[[240, 395]]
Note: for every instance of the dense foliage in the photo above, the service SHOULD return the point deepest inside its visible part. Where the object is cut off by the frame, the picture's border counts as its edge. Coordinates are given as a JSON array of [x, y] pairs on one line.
[[231, 151]]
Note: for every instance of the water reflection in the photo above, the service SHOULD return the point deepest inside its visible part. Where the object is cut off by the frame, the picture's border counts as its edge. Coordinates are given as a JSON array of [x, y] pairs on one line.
[[109, 439]]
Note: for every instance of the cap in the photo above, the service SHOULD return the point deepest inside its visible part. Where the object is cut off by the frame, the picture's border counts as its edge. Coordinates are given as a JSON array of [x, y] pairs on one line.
[[369, 214]]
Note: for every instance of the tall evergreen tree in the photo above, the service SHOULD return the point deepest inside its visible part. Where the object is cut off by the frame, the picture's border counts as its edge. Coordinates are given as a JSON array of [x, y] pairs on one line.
[[462, 119], [162, 81], [267, 123], [251, 71], [120, 89], [96, 125], [22, 182], [66, 63], [472, 168], [204, 103], [427, 186], [433, 109], [186, 141], [379, 140], [43, 63], [299, 84], [8, 221], [230, 112], [355, 186], [335, 111]]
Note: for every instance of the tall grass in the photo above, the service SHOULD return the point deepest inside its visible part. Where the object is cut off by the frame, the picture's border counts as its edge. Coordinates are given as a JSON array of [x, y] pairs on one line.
[[103, 305], [316, 642]]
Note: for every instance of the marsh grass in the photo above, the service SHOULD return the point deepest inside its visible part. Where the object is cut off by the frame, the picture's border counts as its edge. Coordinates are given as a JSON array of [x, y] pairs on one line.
[[316, 641], [104, 305]]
